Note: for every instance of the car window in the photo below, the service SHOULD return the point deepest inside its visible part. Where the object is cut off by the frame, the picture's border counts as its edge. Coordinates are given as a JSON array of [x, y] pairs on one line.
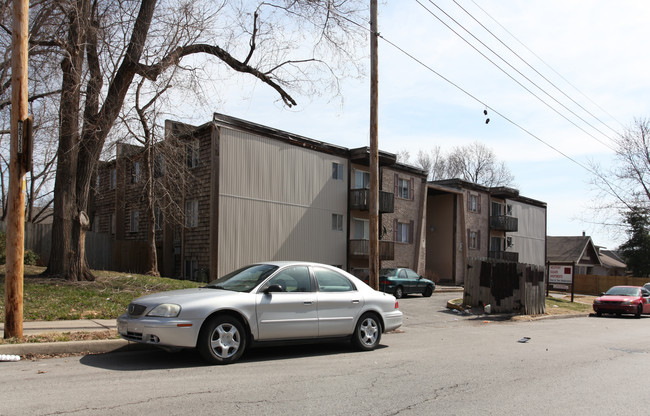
[[623, 291], [331, 281], [411, 274], [387, 272], [645, 292], [402, 274], [292, 279]]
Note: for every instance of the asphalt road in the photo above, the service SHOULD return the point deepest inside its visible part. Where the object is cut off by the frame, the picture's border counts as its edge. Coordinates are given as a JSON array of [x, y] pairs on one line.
[[439, 363]]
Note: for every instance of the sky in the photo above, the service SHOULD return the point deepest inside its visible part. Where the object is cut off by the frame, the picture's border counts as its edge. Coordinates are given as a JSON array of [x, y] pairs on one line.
[[593, 53]]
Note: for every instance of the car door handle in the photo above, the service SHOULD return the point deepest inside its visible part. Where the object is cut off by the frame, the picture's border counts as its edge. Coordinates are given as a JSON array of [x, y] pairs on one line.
[[355, 300], [308, 302]]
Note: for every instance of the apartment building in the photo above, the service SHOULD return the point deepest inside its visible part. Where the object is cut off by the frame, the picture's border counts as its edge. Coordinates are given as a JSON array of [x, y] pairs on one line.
[[253, 193]]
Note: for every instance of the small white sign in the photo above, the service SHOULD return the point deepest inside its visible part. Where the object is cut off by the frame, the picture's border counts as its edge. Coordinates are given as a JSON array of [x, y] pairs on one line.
[[558, 273]]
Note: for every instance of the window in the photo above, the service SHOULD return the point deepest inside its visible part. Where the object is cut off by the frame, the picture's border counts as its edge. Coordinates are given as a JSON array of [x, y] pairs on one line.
[[361, 179], [135, 221], [135, 172], [337, 222], [97, 183], [473, 204], [473, 239], [496, 209], [331, 281], [158, 166], [158, 215], [192, 154], [112, 223], [509, 210], [360, 229], [337, 171], [292, 279], [192, 213], [496, 244], [191, 268], [403, 189], [113, 179], [403, 233]]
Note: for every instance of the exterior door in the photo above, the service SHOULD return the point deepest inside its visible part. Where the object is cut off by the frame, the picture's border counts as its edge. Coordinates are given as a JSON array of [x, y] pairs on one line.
[[292, 313], [339, 303]]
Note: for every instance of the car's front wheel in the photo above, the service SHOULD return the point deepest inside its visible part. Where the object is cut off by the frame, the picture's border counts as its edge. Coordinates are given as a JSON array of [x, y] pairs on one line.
[[222, 340], [639, 311], [367, 332], [428, 291]]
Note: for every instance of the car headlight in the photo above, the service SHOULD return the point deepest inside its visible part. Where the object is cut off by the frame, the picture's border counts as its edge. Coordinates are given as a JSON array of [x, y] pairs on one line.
[[597, 302], [626, 303], [165, 310]]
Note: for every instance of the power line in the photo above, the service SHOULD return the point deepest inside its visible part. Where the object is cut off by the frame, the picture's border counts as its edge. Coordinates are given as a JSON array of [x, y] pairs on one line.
[[550, 67], [516, 70], [535, 70]]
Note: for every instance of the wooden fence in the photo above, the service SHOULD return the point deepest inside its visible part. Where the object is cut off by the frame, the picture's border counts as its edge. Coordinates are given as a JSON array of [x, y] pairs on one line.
[[505, 286], [589, 284], [102, 251]]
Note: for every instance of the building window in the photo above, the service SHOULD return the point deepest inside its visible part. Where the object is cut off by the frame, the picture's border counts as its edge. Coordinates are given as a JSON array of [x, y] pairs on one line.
[[97, 183], [496, 209], [192, 213], [135, 221], [191, 268], [113, 179], [361, 179], [158, 215], [496, 244], [135, 173], [337, 171], [192, 154], [111, 224], [403, 233], [473, 202], [360, 229], [158, 166], [337, 222], [474, 239], [403, 189]]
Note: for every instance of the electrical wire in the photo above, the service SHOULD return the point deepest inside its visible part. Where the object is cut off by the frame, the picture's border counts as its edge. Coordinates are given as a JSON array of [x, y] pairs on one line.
[[519, 72], [533, 68]]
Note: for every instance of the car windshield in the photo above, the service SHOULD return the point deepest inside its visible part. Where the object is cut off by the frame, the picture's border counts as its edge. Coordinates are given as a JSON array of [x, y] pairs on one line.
[[244, 279], [623, 291]]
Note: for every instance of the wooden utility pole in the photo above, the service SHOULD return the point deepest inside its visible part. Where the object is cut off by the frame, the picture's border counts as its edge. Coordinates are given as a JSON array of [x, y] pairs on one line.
[[19, 162], [373, 268]]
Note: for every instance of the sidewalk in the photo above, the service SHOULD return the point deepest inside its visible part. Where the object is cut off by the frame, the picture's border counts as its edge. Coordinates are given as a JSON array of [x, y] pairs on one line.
[[71, 347]]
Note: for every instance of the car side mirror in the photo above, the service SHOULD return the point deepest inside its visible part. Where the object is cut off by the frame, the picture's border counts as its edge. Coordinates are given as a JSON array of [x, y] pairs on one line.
[[602, 293], [274, 288]]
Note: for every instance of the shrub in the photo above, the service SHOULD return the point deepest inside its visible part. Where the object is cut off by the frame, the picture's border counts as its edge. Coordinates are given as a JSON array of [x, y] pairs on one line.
[[30, 258]]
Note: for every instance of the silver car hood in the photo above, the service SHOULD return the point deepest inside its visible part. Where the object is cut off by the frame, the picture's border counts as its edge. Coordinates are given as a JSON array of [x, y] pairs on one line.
[[185, 296]]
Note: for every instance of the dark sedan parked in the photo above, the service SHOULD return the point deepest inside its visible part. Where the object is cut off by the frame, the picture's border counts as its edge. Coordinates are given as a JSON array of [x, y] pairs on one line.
[[400, 282]]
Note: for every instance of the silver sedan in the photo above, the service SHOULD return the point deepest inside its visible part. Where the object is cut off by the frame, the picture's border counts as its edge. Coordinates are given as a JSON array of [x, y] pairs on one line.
[[275, 301]]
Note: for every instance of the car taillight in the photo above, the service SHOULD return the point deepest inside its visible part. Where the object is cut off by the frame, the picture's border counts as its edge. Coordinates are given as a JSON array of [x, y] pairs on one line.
[[396, 305], [384, 282]]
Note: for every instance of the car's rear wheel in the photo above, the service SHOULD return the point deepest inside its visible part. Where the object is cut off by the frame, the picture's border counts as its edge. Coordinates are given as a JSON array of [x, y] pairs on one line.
[[399, 292], [639, 311], [428, 291], [222, 340], [599, 313], [367, 332]]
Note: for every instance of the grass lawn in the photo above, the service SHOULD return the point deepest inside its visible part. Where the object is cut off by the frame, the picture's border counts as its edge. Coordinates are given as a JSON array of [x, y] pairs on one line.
[[49, 299]]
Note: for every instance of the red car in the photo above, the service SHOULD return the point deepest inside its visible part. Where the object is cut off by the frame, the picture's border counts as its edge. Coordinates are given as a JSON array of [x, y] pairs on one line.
[[633, 300]]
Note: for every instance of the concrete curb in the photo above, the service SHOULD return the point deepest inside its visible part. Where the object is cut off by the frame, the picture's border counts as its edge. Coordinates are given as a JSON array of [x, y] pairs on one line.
[[69, 347]]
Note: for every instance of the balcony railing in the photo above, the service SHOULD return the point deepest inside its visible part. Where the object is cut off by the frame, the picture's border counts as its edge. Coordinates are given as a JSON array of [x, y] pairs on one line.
[[360, 249], [504, 223], [504, 255], [360, 200]]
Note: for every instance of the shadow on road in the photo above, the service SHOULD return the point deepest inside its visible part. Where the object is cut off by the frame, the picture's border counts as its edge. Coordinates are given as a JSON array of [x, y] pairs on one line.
[[158, 359]]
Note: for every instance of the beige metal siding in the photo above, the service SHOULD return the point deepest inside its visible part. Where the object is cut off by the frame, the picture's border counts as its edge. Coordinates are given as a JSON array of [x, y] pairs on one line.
[[276, 202], [530, 239]]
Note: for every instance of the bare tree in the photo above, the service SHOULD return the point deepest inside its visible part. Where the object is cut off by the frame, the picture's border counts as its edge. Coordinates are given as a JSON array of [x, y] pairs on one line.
[[433, 162], [623, 187], [96, 49], [477, 163]]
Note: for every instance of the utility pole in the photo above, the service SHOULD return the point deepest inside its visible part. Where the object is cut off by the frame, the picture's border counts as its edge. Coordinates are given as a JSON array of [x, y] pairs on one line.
[[373, 269], [19, 163]]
